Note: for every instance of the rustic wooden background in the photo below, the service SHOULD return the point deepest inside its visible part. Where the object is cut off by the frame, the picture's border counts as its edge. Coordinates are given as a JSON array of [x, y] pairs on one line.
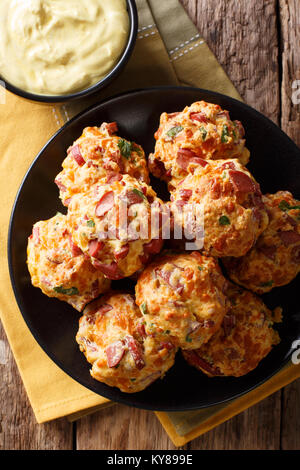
[[257, 43]]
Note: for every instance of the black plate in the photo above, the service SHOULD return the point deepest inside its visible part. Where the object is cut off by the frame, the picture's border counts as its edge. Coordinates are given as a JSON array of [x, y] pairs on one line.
[[275, 162]]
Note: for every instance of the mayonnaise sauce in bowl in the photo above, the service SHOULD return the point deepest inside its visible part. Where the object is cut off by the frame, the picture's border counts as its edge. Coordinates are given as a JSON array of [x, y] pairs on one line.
[[56, 47]]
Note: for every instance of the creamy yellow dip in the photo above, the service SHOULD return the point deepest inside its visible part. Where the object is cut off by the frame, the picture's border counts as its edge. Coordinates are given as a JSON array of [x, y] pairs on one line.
[[60, 46]]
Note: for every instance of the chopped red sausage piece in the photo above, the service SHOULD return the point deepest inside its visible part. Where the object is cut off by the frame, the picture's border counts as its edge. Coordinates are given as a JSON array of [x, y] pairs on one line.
[[95, 246], [104, 309], [134, 197], [186, 156], [76, 154], [111, 127], [112, 177], [268, 250], [228, 324], [60, 185], [240, 127], [135, 350], [115, 353], [202, 364], [289, 238], [141, 329], [242, 182], [105, 204], [111, 271], [200, 117], [185, 194], [122, 253], [76, 251], [154, 246]]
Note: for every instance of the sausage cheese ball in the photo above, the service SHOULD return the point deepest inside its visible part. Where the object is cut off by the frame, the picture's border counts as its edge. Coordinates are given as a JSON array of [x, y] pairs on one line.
[[232, 211], [59, 268], [244, 339], [99, 153], [275, 259], [201, 131], [182, 298], [112, 336], [117, 225]]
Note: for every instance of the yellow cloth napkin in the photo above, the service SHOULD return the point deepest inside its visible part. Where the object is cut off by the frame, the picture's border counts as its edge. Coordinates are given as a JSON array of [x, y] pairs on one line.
[[168, 51]]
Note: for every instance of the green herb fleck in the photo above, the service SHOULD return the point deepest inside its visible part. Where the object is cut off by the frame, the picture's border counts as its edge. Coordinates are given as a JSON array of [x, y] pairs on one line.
[[174, 131], [144, 308], [203, 132], [200, 268], [224, 220], [90, 223], [139, 193], [266, 284], [133, 380], [167, 332], [188, 339], [225, 134], [125, 148], [62, 290], [285, 206]]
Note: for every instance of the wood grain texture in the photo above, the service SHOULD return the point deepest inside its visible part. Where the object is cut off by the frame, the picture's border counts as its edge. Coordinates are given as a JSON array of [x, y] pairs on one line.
[[256, 428], [290, 44], [18, 427], [121, 427], [243, 35]]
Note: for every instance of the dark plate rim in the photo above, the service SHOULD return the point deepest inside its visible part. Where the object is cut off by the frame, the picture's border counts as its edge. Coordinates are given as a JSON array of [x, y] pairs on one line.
[[102, 83], [10, 264]]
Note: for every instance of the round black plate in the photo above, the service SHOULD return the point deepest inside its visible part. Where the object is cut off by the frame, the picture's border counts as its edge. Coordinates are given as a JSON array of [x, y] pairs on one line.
[[275, 162]]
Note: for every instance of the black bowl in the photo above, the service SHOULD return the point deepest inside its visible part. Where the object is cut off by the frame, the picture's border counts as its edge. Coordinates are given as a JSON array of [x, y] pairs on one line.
[[62, 98], [275, 162]]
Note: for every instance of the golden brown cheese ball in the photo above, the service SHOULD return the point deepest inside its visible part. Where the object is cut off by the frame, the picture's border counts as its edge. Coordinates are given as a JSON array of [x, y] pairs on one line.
[[201, 131], [117, 225], [232, 212], [59, 268], [96, 154], [246, 336], [112, 336], [275, 259], [182, 298]]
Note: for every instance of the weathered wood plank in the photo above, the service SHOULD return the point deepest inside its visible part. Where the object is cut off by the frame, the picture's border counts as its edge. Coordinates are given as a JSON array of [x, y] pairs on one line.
[[243, 36], [121, 427], [256, 428], [18, 427], [290, 122], [290, 43]]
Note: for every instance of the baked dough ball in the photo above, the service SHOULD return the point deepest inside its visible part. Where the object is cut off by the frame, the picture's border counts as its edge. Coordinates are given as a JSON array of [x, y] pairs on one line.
[[201, 131], [244, 339], [229, 200], [182, 298], [112, 336], [96, 154], [59, 268], [275, 259], [117, 224]]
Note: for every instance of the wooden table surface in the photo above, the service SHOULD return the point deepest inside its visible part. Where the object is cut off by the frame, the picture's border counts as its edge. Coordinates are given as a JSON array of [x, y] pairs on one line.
[[257, 43]]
